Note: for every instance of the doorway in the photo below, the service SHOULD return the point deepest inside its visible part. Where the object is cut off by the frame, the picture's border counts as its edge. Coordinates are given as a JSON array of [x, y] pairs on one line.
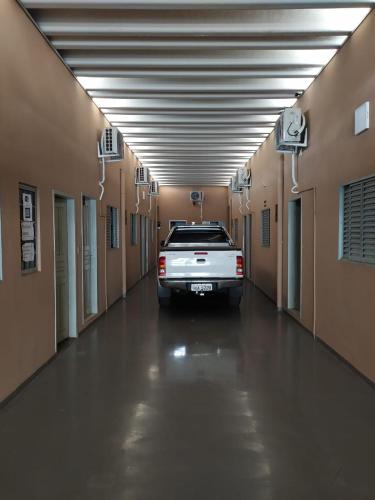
[[247, 228], [144, 229], [65, 268], [294, 255], [89, 256]]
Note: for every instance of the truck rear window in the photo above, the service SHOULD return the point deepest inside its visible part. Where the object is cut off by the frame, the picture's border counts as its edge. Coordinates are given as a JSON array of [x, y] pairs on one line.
[[181, 235]]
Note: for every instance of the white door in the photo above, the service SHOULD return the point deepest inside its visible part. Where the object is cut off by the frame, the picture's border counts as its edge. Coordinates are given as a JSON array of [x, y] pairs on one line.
[[89, 243], [61, 269]]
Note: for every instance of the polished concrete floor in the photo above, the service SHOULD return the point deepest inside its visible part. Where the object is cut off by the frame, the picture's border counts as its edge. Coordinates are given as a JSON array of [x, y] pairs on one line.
[[198, 402]]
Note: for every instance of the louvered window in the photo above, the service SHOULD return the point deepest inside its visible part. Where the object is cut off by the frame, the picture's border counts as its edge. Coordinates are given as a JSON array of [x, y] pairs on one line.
[[266, 229], [358, 221], [113, 228]]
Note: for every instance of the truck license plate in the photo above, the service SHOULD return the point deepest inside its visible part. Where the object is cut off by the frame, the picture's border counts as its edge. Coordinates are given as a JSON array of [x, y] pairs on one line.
[[201, 287]]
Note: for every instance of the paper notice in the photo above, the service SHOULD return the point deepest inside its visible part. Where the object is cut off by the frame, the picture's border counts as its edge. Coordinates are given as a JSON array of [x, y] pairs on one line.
[[28, 252], [27, 230], [27, 207]]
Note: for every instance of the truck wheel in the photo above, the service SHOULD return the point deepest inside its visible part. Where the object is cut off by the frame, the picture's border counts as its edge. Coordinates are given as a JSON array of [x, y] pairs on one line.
[[234, 297], [164, 296], [164, 301], [234, 301]]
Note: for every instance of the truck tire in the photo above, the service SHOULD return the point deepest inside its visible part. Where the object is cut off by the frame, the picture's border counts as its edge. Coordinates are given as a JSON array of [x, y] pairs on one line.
[[164, 301], [234, 297], [164, 296]]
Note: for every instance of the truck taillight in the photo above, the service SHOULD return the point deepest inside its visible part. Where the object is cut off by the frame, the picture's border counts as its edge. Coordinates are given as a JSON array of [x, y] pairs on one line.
[[239, 266], [162, 266]]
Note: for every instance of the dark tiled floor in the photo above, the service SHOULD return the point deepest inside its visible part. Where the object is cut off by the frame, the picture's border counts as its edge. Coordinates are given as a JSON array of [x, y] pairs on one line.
[[191, 403]]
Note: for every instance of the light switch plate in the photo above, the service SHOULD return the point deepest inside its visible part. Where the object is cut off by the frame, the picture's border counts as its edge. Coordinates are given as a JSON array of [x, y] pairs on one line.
[[362, 118]]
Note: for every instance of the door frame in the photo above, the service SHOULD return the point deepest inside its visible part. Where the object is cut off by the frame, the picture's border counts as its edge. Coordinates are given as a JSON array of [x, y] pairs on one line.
[[94, 261], [72, 263], [293, 232], [247, 243], [143, 230]]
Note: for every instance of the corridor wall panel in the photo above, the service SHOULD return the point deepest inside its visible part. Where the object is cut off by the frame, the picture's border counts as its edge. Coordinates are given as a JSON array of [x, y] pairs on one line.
[[48, 139], [338, 300]]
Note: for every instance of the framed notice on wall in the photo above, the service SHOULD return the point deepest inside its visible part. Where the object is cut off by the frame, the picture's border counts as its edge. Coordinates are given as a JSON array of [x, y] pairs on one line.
[[28, 226]]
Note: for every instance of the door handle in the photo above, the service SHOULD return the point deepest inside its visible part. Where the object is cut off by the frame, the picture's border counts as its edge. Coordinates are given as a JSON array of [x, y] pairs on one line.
[[201, 261]]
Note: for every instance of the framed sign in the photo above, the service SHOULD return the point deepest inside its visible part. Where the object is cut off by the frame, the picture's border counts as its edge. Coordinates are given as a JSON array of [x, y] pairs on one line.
[[28, 226]]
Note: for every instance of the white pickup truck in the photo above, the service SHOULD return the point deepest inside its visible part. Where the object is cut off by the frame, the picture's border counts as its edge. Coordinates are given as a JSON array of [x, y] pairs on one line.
[[200, 259]]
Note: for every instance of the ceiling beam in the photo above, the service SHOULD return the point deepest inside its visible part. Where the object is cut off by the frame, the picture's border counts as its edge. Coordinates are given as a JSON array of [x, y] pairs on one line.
[[192, 154], [184, 147], [225, 60], [197, 112], [254, 138], [194, 85], [193, 144], [193, 4], [187, 120], [302, 42], [204, 163], [286, 72], [273, 106], [289, 94], [167, 134], [218, 23]]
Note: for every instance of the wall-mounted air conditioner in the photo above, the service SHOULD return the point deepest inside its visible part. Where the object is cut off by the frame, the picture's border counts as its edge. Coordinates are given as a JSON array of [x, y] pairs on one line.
[[243, 178], [233, 186], [112, 144], [196, 196], [154, 188], [142, 176], [291, 131]]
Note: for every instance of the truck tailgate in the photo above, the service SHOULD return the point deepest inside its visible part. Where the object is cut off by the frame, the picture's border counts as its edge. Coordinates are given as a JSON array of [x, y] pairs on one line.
[[201, 263]]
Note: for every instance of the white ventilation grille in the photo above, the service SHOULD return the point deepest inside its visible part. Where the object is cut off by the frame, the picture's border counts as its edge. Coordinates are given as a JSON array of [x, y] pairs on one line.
[[196, 196], [112, 143], [141, 176], [358, 221], [243, 178], [266, 227], [234, 187], [154, 188], [113, 228]]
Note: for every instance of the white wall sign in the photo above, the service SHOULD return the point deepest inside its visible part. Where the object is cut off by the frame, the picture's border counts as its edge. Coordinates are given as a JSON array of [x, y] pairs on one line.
[[27, 231], [28, 252], [27, 207], [362, 118]]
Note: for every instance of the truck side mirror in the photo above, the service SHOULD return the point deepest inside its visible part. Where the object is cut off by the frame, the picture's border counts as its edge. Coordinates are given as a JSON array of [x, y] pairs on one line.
[[162, 243]]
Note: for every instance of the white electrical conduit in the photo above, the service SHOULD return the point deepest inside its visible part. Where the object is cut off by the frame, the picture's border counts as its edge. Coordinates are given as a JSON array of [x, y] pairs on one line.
[[137, 204], [294, 173], [247, 198], [102, 180], [240, 207], [150, 206], [201, 211]]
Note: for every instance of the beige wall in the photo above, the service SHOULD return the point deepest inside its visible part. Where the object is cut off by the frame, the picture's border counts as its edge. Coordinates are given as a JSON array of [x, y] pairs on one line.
[[344, 295], [264, 168], [48, 135], [175, 204], [133, 266]]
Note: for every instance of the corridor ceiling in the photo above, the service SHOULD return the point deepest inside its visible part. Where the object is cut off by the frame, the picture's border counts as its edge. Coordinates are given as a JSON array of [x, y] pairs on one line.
[[196, 86]]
